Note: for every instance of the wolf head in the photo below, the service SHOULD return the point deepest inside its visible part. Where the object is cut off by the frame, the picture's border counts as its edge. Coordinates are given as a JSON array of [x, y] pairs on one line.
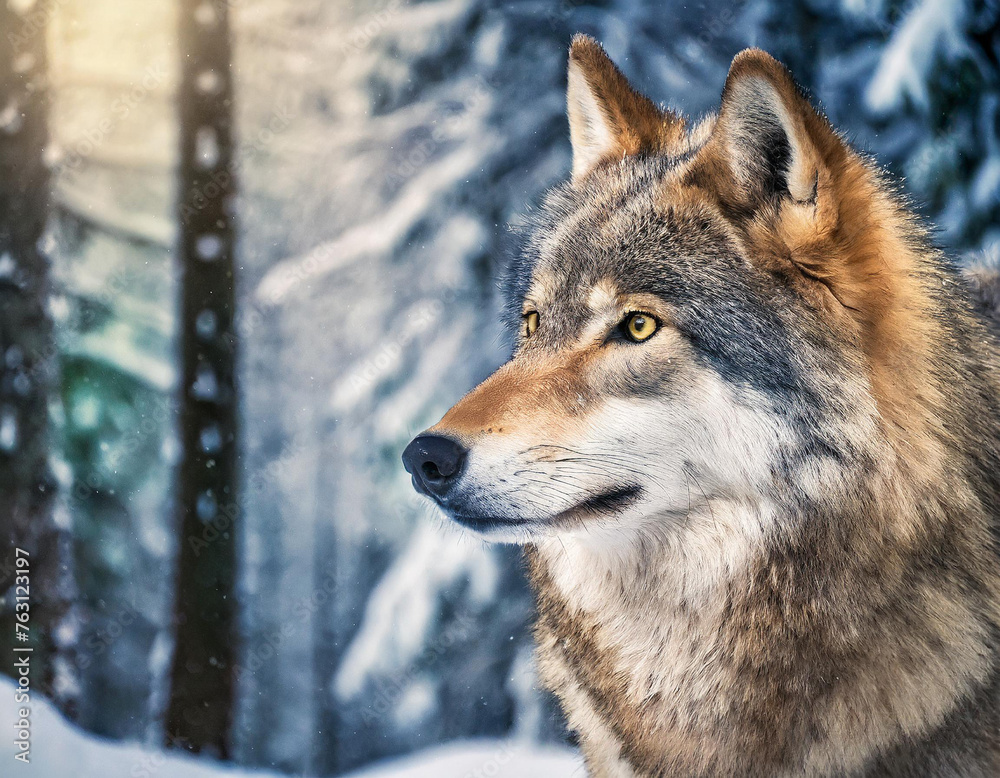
[[717, 311]]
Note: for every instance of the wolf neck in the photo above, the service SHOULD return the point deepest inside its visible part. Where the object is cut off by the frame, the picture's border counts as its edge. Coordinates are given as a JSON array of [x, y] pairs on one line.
[[597, 573], [627, 633], [712, 658]]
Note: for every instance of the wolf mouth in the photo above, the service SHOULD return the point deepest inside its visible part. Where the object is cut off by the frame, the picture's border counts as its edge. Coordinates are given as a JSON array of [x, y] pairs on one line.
[[611, 501]]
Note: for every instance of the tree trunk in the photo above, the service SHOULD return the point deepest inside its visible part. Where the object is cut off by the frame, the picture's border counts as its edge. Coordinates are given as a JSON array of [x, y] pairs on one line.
[[199, 712], [28, 366]]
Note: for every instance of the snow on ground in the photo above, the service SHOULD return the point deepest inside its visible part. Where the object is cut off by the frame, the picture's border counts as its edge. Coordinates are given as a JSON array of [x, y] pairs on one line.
[[477, 758], [60, 750]]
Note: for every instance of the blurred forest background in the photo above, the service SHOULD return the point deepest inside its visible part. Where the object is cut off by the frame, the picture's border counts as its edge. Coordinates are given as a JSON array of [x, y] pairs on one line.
[[380, 155]]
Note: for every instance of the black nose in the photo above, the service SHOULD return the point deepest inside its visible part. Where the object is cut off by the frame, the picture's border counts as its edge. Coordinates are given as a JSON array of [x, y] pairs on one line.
[[435, 462]]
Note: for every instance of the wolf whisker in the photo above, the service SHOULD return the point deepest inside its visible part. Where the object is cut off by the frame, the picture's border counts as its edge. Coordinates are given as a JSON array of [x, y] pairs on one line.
[[708, 502]]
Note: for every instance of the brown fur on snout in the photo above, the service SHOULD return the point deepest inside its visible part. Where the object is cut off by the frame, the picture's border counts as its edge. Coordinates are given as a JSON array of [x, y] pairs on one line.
[[530, 392]]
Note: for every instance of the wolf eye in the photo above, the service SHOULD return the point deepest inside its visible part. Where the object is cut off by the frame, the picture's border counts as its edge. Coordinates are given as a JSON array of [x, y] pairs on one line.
[[530, 323], [639, 326]]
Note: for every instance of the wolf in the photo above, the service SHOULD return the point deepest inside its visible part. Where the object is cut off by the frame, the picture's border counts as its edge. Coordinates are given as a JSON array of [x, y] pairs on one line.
[[750, 440]]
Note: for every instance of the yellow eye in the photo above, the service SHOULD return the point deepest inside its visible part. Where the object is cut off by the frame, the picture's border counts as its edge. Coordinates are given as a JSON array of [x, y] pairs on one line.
[[639, 326], [530, 323]]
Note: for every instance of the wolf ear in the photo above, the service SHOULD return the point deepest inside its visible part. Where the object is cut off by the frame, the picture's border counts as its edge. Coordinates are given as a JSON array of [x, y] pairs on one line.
[[774, 141], [608, 119]]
